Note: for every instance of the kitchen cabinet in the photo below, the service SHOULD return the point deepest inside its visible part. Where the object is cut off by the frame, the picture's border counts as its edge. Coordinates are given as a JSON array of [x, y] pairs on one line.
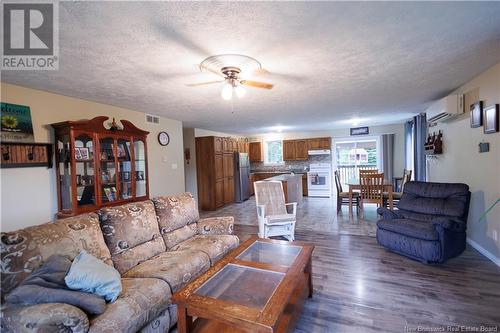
[[295, 150], [255, 152], [288, 150], [301, 150], [319, 143], [243, 145], [215, 171]]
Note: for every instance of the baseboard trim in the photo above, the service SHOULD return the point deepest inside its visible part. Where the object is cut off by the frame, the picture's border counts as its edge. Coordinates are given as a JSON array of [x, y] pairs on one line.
[[484, 252]]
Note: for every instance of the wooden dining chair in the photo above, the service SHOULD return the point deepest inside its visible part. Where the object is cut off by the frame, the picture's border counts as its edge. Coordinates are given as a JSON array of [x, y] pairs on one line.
[[363, 172], [396, 196], [343, 197], [372, 189]]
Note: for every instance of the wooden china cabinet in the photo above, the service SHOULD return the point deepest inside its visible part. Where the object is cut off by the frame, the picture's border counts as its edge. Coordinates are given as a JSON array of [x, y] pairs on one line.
[[98, 167]]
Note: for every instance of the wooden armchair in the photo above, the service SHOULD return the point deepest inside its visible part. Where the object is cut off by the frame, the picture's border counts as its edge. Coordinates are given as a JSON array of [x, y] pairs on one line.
[[273, 217]]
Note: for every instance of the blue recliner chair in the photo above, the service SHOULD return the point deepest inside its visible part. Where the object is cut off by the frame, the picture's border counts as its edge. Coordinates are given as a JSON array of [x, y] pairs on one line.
[[430, 222]]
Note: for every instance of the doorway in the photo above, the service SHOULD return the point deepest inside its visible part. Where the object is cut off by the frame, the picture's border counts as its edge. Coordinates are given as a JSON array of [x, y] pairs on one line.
[[351, 155]]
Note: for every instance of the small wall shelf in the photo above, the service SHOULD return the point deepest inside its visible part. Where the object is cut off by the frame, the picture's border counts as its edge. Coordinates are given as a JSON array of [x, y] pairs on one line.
[[25, 155]]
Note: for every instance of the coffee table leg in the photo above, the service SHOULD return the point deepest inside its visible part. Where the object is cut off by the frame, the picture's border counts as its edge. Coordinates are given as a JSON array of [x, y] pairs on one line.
[[184, 321], [309, 282]]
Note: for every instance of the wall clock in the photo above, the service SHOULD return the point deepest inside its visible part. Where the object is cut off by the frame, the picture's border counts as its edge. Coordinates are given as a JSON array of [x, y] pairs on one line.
[[163, 138]]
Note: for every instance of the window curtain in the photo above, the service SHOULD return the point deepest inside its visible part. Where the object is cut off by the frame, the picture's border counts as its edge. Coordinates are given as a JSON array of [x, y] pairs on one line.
[[419, 137], [409, 146], [388, 156]]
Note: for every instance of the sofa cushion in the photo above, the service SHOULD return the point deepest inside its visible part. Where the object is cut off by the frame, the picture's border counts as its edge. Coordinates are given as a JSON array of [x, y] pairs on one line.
[[420, 249], [173, 238], [176, 268], [131, 233], [140, 301], [176, 212], [26, 249], [435, 198], [215, 246], [411, 228]]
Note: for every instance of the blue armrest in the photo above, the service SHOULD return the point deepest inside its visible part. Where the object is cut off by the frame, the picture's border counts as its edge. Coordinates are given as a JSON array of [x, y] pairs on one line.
[[388, 214], [449, 223]]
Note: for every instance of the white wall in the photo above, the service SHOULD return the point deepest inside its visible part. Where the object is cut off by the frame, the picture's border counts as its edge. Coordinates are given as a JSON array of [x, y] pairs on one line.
[[199, 132], [396, 129], [29, 195], [462, 162]]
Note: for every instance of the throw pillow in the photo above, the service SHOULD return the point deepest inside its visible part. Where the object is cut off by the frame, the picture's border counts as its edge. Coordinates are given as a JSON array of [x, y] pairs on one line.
[[87, 273]]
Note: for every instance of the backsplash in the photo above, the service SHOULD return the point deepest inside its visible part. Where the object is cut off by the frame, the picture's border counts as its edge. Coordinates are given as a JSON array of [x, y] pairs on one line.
[[291, 165]]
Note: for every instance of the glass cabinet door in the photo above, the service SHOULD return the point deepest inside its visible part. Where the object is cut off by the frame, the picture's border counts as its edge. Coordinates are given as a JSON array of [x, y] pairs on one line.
[[108, 190], [140, 168], [84, 169], [64, 171], [124, 168]]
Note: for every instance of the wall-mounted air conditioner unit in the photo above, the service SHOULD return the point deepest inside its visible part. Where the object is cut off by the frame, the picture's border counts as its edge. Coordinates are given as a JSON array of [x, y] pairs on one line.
[[445, 109]]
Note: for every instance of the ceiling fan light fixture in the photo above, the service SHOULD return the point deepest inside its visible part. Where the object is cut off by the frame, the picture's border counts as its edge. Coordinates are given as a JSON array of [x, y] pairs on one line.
[[227, 91], [240, 91]]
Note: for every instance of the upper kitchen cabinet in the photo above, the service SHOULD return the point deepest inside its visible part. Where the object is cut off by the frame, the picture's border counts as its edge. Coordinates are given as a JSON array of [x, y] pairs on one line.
[[255, 152], [288, 150], [243, 145], [301, 150], [319, 143], [294, 150]]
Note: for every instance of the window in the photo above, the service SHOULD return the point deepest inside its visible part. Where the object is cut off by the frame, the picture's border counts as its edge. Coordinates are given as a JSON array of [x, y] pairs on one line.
[[273, 152]]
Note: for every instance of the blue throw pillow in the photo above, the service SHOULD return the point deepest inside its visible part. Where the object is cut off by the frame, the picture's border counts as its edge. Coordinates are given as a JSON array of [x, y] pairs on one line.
[[89, 274]]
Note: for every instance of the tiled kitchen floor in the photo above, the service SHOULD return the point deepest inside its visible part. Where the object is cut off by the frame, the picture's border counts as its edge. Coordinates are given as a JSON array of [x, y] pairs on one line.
[[314, 214]]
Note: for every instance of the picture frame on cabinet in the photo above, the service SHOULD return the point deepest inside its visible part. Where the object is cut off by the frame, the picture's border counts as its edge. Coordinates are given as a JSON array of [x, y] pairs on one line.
[[491, 119], [105, 176], [139, 175], [125, 175], [476, 114], [78, 154], [84, 152]]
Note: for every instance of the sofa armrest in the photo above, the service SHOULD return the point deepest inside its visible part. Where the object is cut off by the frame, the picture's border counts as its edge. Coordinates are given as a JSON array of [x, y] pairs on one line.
[[449, 223], [216, 226], [47, 317], [388, 214]]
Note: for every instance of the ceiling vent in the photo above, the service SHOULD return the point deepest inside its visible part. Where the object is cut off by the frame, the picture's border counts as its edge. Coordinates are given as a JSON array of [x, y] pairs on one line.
[[445, 109], [152, 119]]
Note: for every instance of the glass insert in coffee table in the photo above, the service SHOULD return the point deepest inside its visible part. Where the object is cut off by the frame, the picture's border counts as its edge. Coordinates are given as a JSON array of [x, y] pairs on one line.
[[271, 253], [243, 285]]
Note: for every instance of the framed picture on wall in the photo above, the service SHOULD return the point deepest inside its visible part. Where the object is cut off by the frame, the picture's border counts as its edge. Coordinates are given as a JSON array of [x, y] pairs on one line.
[[476, 114], [491, 119]]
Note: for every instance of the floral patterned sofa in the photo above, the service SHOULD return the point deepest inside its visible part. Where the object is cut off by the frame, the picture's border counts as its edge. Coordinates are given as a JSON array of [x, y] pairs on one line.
[[158, 246]]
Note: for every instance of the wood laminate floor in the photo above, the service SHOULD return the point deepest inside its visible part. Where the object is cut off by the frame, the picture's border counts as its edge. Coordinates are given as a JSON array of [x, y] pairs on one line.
[[315, 214], [361, 287]]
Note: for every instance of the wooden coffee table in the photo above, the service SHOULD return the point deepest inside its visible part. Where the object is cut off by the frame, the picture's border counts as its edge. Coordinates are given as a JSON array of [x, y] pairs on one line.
[[258, 287]]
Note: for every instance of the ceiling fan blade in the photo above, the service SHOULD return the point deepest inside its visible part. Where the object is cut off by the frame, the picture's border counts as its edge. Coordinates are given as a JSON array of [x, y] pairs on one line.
[[291, 77], [209, 70], [257, 84], [203, 83]]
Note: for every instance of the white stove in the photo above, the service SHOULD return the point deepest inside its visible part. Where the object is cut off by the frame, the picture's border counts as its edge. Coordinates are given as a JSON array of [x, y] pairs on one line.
[[319, 180]]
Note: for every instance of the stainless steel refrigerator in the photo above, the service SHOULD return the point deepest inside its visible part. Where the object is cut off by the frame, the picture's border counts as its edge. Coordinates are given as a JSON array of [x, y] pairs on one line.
[[241, 177]]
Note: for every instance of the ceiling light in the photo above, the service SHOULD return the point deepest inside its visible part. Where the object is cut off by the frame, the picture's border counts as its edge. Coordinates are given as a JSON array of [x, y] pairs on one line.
[[240, 91], [355, 121], [227, 91]]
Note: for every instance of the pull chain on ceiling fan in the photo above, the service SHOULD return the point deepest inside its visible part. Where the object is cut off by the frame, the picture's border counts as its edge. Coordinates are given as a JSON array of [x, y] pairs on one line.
[[232, 68]]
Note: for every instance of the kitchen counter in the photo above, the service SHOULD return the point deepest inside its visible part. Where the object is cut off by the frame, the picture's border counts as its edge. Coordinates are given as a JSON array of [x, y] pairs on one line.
[[292, 186]]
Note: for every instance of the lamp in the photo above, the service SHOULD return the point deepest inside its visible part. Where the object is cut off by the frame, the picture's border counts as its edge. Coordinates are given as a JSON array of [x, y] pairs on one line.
[[240, 91], [229, 86], [227, 91]]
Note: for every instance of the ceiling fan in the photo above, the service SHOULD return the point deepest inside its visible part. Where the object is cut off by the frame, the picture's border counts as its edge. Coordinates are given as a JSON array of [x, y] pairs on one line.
[[232, 68]]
